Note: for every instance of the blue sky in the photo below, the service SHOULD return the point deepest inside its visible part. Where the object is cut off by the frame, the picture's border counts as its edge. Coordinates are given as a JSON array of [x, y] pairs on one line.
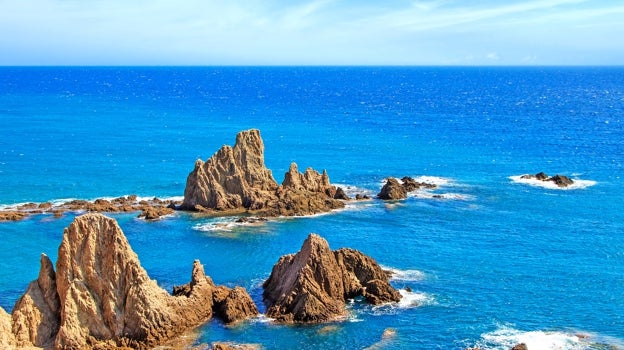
[[311, 32]]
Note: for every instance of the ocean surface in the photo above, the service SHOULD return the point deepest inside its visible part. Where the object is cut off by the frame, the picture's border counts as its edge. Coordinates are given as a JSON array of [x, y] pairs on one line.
[[491, 260]]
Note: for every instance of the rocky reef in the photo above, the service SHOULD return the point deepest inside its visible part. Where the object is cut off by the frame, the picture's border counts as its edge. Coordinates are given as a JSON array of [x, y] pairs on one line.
[[150, 209], [559, 180], [314, 284], [100, 297], [235, 179], [394, 189]]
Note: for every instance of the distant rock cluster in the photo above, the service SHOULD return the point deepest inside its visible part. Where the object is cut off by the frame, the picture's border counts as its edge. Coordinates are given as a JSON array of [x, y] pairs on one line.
[[235, 179], [559, 180]]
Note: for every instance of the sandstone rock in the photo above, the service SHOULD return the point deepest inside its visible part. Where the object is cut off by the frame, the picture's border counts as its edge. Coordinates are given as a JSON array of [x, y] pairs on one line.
[[236, 179], [236, 306], [7, 338], [101, 297], [392, 190], [233, 177], [155, 213], [12, 215], [314, 284], [36, 317]]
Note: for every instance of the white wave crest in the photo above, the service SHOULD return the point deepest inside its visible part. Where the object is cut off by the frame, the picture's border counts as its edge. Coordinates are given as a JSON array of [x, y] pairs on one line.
[[404, 275], [578, 183], [506, 337], [434, 180]]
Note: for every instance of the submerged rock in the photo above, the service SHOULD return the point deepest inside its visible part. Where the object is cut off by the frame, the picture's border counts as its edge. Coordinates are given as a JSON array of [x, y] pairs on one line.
[[236, 179], [101, 296], [314, 284]]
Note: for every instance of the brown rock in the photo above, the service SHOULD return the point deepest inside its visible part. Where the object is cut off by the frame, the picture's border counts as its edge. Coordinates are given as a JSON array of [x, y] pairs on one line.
[[236, 178], [392, 190], [155, 213], [521, 346], [232, 346], [314, 284], [35, 316], [7, 338], [233, 177], [12, 215], [236, 306], [559, 180], [101, 297]]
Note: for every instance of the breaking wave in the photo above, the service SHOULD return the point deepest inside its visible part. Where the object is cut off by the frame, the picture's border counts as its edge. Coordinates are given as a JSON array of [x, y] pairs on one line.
[[578, 183], [505, 338]]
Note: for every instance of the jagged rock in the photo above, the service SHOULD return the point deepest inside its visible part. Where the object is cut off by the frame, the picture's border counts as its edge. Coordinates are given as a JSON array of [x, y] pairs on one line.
[[232, 178], [412, 185], [101, 297], [341, 194], [559, 180], [392, 190], [7, 338], [36, 315], [236, 179], [314, 284]]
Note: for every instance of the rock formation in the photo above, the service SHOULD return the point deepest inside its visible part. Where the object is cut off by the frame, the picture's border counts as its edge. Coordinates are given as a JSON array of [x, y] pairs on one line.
[[314, 284], [236, 179], [7, 338], [101, 296], [393, 189], [559, 180]]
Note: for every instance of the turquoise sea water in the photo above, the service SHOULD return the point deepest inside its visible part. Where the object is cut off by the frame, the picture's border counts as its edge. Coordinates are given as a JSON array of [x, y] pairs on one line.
[[491, 263]]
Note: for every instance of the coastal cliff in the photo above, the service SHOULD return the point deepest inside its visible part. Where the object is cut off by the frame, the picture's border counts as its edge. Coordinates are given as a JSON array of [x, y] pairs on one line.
[[313, 285], [100, 296], [236, 179]]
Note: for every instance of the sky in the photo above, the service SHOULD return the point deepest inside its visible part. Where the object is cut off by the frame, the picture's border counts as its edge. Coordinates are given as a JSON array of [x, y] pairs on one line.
[[311, 32]]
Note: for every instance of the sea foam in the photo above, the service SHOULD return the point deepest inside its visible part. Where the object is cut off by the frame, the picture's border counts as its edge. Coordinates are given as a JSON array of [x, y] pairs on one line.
[[578, 183], [507, 337]]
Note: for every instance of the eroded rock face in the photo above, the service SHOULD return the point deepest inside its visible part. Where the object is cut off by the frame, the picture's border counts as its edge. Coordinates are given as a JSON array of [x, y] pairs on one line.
[[314, 284], [236, 179], [233, 178], [7, 338], [36, 315], [392, 190], [101, 296]]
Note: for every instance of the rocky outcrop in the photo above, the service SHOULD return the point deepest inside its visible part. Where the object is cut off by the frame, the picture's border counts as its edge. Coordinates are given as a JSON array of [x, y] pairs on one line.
[[151, 209], [559, 180], [394, 189], [314, 284], [520, 346], [236, 179], [101, 296]]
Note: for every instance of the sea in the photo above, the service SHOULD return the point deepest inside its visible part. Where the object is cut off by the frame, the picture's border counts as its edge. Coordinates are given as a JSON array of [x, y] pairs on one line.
[[485, 260]]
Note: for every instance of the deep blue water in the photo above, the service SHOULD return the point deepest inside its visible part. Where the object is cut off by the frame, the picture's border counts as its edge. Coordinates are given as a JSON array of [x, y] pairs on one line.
[[491, 263]]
